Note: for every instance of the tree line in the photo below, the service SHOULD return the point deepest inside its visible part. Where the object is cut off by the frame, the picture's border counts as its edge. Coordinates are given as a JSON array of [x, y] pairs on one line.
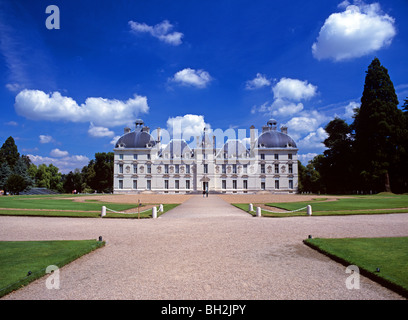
[[18, 173], [369, 155]]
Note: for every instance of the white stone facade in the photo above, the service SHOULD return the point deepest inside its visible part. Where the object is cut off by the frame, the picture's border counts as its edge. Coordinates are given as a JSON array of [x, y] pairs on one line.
[[269, 164]]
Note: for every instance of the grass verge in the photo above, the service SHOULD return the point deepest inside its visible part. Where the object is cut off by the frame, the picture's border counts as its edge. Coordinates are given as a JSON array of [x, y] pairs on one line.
[[390, 255], [22, 262], [370, 204], [143, 215], [58, 206]]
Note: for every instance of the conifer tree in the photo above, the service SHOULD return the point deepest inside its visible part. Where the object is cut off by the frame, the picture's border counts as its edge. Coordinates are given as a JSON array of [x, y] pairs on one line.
[[376, 124]]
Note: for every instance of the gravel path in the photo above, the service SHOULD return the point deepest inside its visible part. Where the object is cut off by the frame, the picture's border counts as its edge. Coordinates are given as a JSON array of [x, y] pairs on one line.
[[203, 249]]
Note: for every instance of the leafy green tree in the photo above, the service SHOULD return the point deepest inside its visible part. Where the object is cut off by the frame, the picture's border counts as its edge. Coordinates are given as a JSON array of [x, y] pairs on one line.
[[100, 172], [377, 123], [301, 176], [72, 181], [15, 184], [9, 152], [20, 168], [336, 166], [5, 173]]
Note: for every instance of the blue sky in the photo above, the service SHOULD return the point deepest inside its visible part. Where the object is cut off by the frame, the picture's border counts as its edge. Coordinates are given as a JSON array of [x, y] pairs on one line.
[[68, 93]]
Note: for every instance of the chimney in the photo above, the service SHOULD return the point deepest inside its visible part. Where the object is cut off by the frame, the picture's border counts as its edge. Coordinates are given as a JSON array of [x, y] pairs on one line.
[[158, 135], [284, 129], [252, 139], [126, 130]]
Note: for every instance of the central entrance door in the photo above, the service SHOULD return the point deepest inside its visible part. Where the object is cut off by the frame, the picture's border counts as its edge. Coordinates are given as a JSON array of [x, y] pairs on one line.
[[205, 186]]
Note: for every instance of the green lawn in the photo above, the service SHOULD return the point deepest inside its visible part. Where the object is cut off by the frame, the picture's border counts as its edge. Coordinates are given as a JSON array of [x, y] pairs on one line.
[[390, 255], [17, 258], [55, 202], [57, 206], [370, 204], [354, 203]]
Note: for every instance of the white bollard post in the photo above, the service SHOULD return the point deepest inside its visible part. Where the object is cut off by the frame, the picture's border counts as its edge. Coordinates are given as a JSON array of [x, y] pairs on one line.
[[154, 212], [161, 208], [309, 210], [258, 212], [103, 211], [251, 207]]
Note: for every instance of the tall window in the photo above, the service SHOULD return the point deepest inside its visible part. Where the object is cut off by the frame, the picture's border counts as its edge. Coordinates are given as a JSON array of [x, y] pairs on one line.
[[206, 168], [120, 184], [135, 168], [245, 184], [262, 156], [187, 168], [276, 184], [149, 168], [134, 184], [166, 168], [276, 168], [187, 184], [224, 184], [224, 168], [166, 184], [234, 168], [177, 168], [262, 168], [121, 168], [134, 156], [149, 184], [290, 169], [276, 156], [234, 184], [245, 168], [177, 184], [121, 156], [290, 156], [290, 184]]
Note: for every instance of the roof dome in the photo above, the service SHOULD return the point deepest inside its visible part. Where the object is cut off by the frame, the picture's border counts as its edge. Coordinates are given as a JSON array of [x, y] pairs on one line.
[[136, 139], [275, 139]]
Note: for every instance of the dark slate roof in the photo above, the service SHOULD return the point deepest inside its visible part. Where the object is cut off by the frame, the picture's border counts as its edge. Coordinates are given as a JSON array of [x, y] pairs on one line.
[[275, 139], [136, 139]]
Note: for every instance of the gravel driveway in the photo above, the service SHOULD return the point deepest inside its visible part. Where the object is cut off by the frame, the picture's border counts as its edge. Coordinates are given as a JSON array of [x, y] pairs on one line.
[[203, 249]]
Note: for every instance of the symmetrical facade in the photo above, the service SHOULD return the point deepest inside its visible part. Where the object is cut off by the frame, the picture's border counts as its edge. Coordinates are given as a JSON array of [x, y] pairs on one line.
[[143, 164]]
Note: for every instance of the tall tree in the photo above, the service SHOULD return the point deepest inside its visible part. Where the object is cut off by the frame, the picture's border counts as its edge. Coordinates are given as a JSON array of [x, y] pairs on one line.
[[376, 123], [100, 172], [5, 173], [337, 164], [9, 152]]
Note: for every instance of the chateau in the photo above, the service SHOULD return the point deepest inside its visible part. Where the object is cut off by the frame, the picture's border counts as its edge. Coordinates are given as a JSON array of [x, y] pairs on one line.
[[144, 164]]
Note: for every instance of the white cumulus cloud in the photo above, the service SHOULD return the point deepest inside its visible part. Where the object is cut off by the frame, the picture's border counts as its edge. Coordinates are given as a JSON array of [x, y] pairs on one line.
[[161, 31], [45, 138], [191, 77], [58, 153], [99, 132], [287, 94], [65, 164], [359, 30], [38, 105], [294, 89], [258, 82], [187, 126]]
